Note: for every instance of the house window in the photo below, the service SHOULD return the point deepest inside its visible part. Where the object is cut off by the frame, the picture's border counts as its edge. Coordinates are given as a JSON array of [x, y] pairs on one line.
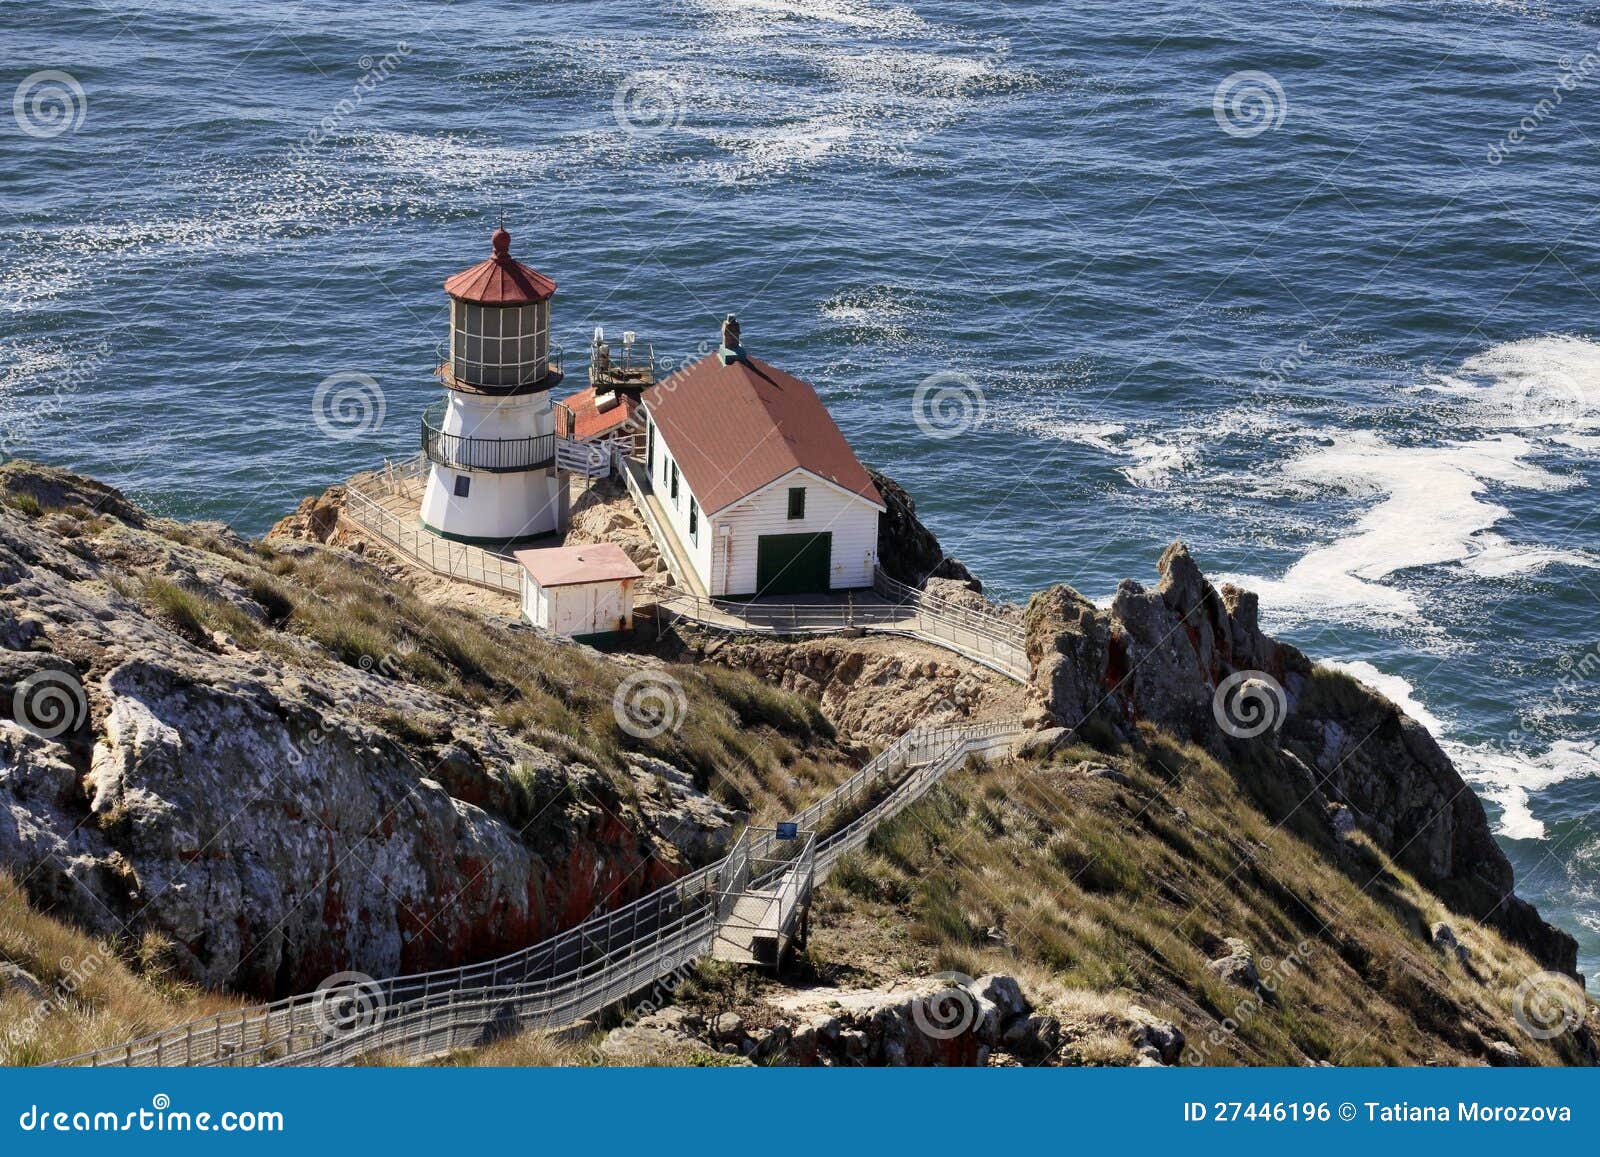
[[463, 485], [649, 447], [694, 522], [797, 502], [674, 487]]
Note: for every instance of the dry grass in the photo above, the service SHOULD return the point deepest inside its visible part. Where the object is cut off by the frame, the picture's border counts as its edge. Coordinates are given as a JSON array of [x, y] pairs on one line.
[[1090, 890], [95, 994], [530, 1050], [757, 748]]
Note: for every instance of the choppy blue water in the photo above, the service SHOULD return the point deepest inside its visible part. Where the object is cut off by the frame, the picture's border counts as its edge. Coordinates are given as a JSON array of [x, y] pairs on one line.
[[1332, 326]]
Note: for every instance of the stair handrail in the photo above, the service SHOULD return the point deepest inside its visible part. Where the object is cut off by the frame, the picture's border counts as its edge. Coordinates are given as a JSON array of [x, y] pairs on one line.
[[563, 978]]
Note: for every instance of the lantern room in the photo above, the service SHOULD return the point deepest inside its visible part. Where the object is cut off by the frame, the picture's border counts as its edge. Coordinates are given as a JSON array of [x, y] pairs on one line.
[[500, 325]]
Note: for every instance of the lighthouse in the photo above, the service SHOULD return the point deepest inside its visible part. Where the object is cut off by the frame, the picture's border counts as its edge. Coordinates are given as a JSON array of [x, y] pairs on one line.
[[491, 440]]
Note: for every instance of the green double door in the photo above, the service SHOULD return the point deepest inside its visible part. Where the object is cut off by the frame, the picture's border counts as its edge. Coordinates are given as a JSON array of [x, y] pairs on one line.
[[793, 564]]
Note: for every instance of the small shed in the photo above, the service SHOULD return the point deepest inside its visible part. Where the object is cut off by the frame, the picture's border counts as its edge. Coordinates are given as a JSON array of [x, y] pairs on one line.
[[583, 592]]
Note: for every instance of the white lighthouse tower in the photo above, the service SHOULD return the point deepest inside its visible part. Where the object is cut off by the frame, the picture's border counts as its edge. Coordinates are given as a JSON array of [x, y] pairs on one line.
[[491, 442]]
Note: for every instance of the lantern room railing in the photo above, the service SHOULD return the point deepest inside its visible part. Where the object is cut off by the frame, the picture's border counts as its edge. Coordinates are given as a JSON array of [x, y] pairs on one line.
[[494, 455]]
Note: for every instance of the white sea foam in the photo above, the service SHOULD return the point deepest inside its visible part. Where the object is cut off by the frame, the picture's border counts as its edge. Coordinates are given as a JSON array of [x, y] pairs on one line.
[[1161, 456], [1510, 778], [1431, 510], [755, 18], [1545, 386]]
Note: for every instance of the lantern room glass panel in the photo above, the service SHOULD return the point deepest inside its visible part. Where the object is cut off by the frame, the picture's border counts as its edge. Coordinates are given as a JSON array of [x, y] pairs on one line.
[[499, 347]]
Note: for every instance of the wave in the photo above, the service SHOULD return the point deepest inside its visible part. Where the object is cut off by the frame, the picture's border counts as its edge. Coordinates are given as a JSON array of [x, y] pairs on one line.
[[1431, 510], [1158, 457], [1508, 778]]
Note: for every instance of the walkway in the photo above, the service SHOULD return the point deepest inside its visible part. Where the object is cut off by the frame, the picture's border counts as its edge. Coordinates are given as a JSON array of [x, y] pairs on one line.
[[602, 962], [386, 503], [660, 527]]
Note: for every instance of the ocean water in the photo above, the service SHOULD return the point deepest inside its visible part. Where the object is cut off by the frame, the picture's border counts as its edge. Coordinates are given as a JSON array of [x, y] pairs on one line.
[[1312, 286]]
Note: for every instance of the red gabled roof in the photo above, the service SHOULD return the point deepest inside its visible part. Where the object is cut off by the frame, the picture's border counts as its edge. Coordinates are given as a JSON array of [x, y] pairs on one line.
[[588, 421], [735, 428], [501, 279], [562, 566]]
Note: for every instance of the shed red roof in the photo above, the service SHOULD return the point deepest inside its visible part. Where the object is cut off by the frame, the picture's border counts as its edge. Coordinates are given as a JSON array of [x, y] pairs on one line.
[[738, 427], [563, 566], [500, 279], [589, 421]]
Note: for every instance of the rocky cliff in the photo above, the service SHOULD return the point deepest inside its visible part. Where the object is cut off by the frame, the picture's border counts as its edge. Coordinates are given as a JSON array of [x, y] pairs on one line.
[[1319, 750], [285, 765], [282, 763]]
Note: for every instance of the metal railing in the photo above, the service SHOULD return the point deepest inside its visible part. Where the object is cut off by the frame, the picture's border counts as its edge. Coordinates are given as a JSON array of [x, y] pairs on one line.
[[621, 363], [494, 455], [761, 901], [633, 473], [993, 641], [575, 975], [469, 564], [543, 375]]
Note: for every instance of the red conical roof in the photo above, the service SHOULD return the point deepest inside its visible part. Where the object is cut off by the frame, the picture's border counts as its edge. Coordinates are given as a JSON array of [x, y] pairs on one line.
[[500, 280]]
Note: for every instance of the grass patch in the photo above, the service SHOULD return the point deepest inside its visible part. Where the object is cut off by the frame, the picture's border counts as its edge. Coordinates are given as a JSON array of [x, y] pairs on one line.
[[1109, 892], [94, 994], [195, 615]]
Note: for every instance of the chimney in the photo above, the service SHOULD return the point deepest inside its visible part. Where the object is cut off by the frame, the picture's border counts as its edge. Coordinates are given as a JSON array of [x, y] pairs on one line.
[[731, 350]]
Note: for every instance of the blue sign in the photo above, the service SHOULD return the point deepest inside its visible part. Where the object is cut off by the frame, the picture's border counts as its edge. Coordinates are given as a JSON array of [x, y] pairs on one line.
[[788, 831]]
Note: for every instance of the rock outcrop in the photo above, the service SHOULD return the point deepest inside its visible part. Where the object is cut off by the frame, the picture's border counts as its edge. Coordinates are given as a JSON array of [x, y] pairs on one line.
[[872, 688], [1192, 660], [275, 813], [952, 1021], [908, 550]]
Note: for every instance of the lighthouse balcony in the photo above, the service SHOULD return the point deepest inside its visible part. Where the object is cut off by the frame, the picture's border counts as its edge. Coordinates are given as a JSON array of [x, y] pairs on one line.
[[492, 455]]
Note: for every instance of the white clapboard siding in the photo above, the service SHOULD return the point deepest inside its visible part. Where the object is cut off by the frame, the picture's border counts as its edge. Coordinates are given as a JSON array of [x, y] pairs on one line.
[[698, 547], [851, 519]]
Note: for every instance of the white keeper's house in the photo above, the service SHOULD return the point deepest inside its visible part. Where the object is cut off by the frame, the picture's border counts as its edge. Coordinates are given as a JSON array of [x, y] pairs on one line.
[[759, 486]]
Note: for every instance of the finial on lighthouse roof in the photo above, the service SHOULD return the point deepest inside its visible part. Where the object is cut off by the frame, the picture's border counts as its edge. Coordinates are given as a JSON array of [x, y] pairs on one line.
[[500, 279]]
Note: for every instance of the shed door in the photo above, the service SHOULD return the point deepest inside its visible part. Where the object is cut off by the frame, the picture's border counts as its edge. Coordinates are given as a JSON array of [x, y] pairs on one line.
[[792, 564]]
